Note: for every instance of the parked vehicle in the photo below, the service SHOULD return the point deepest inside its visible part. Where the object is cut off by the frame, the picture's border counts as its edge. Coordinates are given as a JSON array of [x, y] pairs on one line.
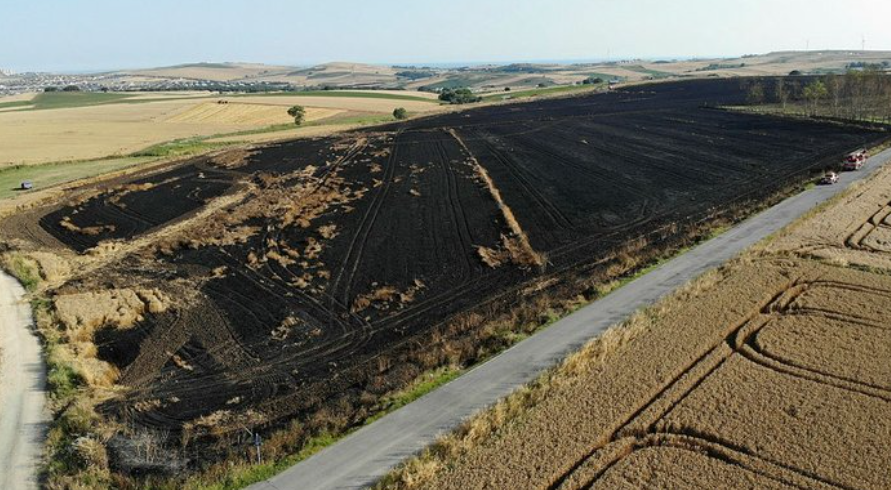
[[855, 160], [829, 179]]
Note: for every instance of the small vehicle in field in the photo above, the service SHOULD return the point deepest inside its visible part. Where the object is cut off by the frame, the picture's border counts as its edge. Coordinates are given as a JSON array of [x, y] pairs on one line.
[[855, 160], [829, 179]]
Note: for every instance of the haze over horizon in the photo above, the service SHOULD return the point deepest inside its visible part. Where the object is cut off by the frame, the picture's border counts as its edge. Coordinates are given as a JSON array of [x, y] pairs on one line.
[[94, 35]]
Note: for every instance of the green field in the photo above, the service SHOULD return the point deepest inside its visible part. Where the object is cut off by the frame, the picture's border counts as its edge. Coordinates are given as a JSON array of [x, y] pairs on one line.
[[62, 100], [604, 76], [50, 174], [647, 71], [14, 103], [522, 94]]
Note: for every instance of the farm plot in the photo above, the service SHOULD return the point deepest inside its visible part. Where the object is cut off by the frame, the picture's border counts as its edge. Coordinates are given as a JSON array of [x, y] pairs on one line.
[[731, 397], [340, 268]]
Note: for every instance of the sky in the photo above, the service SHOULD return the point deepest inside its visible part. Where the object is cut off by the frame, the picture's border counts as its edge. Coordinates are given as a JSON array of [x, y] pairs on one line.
[[84, 35]]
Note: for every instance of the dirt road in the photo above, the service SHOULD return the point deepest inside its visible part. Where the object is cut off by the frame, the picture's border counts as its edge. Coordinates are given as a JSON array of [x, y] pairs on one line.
[[22, 380], [363, 457]]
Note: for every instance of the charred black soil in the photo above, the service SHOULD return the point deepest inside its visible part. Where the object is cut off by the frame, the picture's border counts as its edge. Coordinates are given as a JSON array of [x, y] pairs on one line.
[[347, 265]]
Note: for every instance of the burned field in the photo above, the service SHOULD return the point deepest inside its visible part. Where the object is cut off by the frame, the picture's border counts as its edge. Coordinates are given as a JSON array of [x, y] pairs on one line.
[[304, 280]]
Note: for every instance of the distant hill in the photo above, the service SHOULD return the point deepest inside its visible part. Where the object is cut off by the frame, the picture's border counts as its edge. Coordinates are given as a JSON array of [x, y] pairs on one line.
[[488, 78], [217, 72]]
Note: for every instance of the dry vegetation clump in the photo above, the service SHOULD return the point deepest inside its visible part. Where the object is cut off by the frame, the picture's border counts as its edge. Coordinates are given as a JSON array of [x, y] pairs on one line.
[[384, 297], [83, 313], [517, 244], [292, 199], [513, 250], [89, 230]]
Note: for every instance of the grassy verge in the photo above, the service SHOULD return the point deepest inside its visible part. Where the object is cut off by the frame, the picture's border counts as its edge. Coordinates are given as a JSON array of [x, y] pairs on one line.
[[26, 270], [180, 147], [240, 475], [72, 446]]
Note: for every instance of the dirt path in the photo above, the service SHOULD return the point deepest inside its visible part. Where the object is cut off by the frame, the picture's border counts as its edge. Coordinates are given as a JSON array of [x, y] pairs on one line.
[[363, 457], [22, 379]]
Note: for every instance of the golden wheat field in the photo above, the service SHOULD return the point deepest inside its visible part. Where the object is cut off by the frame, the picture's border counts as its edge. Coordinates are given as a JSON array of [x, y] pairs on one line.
[[773, 376]]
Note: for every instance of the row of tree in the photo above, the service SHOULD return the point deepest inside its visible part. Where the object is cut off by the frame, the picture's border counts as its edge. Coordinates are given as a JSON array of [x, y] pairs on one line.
[[859, 95]]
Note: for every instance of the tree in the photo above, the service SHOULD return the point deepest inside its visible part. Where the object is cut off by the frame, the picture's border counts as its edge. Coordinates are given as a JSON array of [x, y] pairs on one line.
[[298, 113], [814, 92], [781, 93], [51, 89], [592, 81], [458, 96], [755, 94], [400, 113], [71, 88]]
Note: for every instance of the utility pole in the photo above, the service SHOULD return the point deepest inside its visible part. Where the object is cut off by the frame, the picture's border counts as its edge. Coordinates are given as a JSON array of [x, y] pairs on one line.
[[862, 42]]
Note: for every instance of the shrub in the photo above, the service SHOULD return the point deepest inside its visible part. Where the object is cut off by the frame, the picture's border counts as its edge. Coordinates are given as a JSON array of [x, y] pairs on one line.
[[298, 113], [400, 113], [459, 96]]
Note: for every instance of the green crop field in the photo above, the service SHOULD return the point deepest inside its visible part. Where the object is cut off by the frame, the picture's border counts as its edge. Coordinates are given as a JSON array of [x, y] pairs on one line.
[[560, 89], [647, 71], [50, 174], [62, 100]]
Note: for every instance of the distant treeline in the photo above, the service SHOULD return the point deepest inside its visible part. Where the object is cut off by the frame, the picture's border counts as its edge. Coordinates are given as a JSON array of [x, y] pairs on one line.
[[858, 95]]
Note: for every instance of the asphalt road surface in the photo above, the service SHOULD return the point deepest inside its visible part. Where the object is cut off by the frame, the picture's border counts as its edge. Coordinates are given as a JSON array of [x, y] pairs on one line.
[[22, 380], [360, 459]]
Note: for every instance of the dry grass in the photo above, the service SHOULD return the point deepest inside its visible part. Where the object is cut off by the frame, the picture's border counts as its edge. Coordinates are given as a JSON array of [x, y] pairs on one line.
[[516, 245], [83, 313]]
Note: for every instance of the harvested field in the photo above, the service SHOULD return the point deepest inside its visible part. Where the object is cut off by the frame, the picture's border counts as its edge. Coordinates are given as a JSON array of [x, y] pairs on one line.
[[243, 113], [324, 273], [128, 123]]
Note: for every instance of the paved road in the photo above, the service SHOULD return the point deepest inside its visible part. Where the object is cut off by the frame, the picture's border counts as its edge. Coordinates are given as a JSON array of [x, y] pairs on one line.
[[22, 380], [362, 458]]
